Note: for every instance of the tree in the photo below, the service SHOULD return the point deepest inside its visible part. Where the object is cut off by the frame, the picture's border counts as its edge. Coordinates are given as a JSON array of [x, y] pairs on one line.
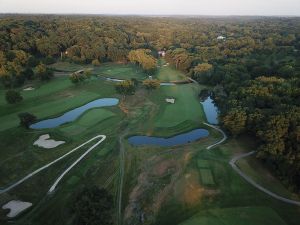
[[80, 76], [26, 119], [235, 121], [151, 84], [93, 206], [13, 97], [126, 87], [143, 58], [43, 72], [202, 72]]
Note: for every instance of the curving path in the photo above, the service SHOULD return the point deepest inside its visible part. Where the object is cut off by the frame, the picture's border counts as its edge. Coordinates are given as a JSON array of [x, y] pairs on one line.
[[219, 142], [247, 178], [55, 161], [243, 175], [52, 188]]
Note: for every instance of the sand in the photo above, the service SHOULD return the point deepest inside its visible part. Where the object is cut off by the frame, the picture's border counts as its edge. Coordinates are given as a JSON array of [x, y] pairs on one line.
[[45, 142], [170, 100], [28, 89], [16, 207]]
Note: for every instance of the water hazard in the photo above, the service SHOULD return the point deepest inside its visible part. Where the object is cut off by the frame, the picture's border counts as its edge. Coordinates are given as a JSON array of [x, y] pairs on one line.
[[180, 139], [74, 114]]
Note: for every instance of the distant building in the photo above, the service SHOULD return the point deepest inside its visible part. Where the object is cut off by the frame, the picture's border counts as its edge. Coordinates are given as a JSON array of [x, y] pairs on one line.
[[221, 38], [161, 53]]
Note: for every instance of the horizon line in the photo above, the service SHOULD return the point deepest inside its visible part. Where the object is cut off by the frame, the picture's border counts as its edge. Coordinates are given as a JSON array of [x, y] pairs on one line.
[[146, 14]]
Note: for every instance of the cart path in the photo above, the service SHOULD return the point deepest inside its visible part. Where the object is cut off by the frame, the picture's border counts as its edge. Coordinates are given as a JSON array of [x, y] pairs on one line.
[[248, 179], [243, 175], [121, 179], [222, 132], [103, 137], [55, 161]]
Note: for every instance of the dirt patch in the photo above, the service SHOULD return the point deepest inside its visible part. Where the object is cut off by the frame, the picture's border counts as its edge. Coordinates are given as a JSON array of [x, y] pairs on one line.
[[189, 190], [163, 167]]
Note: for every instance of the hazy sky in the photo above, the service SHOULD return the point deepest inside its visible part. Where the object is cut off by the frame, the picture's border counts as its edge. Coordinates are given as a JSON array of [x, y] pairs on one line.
[[195, 7]]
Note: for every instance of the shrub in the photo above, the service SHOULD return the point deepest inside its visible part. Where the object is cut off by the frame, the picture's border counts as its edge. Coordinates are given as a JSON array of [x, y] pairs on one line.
[[96, 62], [93, 206], [13, 97], [26, 119]]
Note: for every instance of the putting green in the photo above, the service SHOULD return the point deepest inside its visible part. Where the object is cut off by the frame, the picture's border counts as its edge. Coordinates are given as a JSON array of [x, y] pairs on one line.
[[237, 216], [186, 108]]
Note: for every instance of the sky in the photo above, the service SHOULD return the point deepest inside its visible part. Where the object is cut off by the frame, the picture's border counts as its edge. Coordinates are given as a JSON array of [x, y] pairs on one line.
[[155, 7]]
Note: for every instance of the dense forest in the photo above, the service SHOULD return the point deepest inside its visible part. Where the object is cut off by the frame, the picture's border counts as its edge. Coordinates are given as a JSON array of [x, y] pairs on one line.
[[250, 64]]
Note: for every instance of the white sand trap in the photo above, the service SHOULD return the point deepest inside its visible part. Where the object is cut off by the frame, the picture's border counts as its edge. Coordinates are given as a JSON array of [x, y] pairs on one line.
[[16, 207], [45, 142], [170, 100], [28, 89]]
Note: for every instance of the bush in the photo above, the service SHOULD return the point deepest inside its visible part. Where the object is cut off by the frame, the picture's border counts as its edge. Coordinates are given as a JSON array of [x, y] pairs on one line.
[[125, 87], [13, 97], [96, 62], [80, 76], [26, 119], [151, 84]]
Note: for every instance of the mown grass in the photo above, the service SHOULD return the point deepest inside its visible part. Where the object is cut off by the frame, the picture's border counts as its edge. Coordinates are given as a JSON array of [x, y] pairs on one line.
[[186, 108], [167, 73]]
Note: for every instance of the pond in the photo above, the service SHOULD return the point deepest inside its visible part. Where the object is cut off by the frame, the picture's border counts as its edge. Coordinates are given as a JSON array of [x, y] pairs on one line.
[[74, 113], [211, 111], [180, 139]]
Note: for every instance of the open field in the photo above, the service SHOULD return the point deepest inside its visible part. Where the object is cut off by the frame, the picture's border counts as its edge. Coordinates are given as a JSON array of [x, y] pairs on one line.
[[179, 185]]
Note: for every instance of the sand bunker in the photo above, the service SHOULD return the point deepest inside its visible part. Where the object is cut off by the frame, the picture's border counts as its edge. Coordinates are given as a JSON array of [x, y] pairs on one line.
[[170, 100], [45, 142], [28, 89], [16, 207]]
